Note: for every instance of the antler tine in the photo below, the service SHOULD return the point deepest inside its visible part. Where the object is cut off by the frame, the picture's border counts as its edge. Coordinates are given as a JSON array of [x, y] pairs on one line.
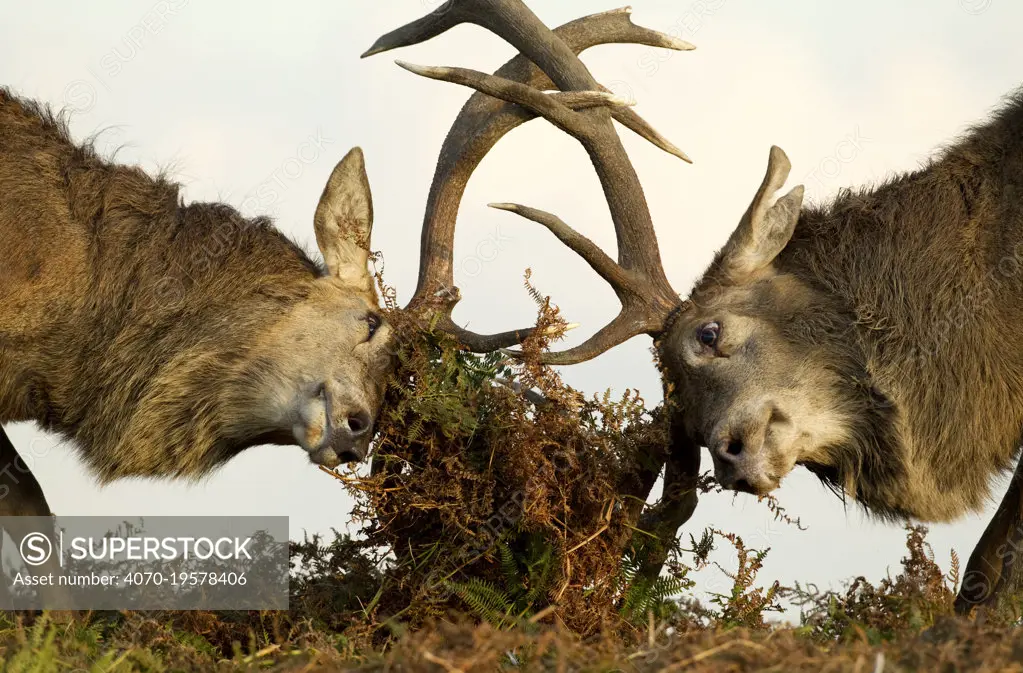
[[485, 120], [627, 324], [455, 12], [632, 321], [591, 253], [552, 107], [628, 118]]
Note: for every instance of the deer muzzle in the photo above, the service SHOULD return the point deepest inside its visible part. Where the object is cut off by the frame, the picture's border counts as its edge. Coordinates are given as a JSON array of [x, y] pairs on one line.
[[741, 455], [333, 429]]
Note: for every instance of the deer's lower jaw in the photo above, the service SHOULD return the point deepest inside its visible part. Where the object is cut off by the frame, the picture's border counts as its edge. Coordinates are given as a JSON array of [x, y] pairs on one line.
[[757, 484], [330, 457]]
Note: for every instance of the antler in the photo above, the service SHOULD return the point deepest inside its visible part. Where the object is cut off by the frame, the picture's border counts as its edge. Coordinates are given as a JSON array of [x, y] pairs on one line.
[[582, 108]]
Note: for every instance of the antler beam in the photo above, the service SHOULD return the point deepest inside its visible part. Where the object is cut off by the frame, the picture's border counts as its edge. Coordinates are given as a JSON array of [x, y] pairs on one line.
[[513, 96]]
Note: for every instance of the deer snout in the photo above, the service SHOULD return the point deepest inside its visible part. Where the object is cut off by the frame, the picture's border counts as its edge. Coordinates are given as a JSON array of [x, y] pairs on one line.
[[350, 440], [333, 429], [740, 456]]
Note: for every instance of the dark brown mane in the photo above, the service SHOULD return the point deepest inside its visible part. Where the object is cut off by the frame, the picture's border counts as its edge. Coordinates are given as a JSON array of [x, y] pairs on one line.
[[96, 185], [928, 267]]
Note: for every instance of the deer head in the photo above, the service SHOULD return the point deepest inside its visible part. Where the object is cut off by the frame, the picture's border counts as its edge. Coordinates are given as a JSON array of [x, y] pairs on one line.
[[319, 376]]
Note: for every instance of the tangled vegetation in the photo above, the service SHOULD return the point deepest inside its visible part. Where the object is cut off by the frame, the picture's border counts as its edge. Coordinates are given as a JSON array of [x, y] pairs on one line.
[[497, 489], [499, 531]]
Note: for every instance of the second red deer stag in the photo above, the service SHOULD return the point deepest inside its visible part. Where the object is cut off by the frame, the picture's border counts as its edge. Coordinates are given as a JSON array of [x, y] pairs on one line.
[[875, 340]]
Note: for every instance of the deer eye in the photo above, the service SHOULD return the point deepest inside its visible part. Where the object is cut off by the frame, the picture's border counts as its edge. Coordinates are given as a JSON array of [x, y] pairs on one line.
[[374, 321], [708, 334]]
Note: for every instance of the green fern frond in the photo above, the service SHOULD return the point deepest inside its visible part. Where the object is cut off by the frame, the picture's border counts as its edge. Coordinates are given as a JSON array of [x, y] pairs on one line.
[[541, 564], [415, 430], [637, 598], [486, 600], [666, 587], [510, 568]]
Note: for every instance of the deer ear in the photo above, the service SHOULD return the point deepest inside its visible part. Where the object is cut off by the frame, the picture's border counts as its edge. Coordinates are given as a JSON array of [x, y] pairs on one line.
[[344, 221], [766, 228]]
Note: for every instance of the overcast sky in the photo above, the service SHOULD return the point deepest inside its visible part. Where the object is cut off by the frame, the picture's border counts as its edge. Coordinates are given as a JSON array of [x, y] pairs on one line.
[[233, 96]]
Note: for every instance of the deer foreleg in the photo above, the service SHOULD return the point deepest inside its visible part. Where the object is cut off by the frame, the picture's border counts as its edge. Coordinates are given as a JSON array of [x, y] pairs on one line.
[[994, 561], [22, 496]]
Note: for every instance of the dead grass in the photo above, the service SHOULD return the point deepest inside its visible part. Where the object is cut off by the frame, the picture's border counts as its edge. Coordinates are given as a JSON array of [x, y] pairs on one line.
[[135, 642]]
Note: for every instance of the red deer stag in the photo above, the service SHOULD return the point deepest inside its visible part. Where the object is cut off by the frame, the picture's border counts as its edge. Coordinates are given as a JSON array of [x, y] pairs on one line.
[[874, 340], [161, 338]]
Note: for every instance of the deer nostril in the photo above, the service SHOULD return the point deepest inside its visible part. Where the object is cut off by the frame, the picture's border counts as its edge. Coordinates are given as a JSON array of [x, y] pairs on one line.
[[734, 447], [359, 423], [743, 486]]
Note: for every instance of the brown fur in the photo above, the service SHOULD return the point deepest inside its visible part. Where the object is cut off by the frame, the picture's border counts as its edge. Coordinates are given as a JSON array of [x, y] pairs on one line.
[[155, 334], [899, 309]]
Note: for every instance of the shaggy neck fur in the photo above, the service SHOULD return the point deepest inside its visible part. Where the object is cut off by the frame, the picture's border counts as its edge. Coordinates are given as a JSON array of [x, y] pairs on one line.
[[128, 314], [929, 269]]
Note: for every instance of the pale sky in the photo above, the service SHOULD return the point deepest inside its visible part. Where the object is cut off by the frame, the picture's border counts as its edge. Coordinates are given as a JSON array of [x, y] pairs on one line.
[[233, 97]]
